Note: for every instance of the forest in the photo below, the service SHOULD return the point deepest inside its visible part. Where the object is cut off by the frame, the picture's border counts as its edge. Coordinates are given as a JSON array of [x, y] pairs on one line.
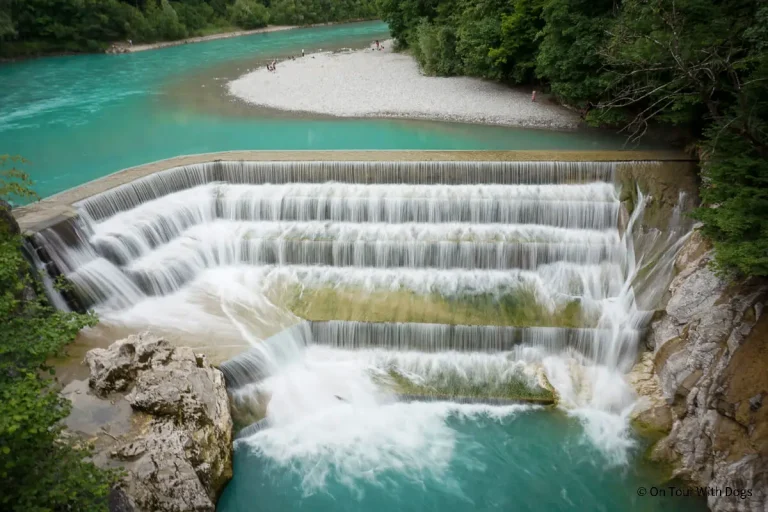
[[698, 65], [34, 27]]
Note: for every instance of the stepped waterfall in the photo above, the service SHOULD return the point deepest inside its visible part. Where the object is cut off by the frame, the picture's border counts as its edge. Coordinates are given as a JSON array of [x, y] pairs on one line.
[[347, 286]]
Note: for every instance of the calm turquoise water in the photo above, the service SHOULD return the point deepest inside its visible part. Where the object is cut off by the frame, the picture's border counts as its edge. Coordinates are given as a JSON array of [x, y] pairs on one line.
[[533, 461], [78, 118]]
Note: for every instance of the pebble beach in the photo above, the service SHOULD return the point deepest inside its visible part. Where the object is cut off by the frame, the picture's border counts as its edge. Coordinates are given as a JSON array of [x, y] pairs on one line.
[[383, 83]]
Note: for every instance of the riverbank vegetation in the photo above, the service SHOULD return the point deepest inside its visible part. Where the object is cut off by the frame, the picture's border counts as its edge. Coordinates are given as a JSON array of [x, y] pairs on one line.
[[39, 469], [34, 27], [698, 65]]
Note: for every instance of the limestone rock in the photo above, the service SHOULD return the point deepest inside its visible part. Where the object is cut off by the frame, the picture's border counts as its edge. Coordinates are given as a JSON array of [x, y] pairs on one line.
[[178, 450], [651, 412], [711, 359]]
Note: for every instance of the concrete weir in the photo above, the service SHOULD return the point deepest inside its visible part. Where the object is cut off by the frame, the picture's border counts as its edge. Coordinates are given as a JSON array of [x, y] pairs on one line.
[[52, 210], [277, 257]]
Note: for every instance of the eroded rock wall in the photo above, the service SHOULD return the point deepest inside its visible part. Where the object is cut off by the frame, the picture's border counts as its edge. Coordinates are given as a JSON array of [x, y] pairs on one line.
[[710, 365]]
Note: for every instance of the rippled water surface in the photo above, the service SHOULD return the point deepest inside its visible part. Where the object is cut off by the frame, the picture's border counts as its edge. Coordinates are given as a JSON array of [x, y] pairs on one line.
[[464, 459]]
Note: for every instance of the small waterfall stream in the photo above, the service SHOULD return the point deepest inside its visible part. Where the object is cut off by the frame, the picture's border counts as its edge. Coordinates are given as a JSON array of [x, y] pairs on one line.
[[466, 281]]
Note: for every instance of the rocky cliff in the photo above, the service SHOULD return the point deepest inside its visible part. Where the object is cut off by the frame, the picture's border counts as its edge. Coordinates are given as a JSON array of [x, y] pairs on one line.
[[169, 424], [706, 382]]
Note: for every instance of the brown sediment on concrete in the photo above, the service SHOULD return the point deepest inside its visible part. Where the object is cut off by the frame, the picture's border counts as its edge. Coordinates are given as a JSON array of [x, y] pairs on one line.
[[42, 214]]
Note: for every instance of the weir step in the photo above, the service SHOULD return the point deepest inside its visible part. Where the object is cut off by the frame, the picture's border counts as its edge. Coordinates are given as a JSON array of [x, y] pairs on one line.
[[350, 335]]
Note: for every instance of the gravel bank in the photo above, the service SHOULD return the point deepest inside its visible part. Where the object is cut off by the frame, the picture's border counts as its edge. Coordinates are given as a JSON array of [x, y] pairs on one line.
[[369, 83]]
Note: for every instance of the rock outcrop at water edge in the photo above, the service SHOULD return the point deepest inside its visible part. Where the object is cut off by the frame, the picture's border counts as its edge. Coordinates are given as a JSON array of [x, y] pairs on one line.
[[710, 359], [177, 452]]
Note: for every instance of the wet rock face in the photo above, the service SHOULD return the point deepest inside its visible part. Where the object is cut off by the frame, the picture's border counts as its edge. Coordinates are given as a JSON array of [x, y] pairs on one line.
[[710, 354], [177, 452]]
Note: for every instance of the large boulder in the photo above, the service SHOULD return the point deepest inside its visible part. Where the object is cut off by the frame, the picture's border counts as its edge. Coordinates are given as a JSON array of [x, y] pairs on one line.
[[710, 358], [177, 447]]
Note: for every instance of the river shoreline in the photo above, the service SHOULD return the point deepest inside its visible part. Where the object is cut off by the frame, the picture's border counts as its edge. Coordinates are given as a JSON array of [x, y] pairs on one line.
[[121, 47]]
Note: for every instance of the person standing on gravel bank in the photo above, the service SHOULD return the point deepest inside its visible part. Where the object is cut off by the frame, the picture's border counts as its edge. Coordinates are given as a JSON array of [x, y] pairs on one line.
[[302, 52]]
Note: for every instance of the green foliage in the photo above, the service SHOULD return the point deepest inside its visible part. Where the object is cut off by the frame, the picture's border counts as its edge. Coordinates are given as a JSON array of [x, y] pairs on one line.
[[305, 12], [194, 15], [435, 48], [515, 55], [674, 61], [569, 58], [248, 14], [15, 184], [29, 27], [736, 195], [735, 171], [164, 20], [7, 26], [697, 64], [39, 470]]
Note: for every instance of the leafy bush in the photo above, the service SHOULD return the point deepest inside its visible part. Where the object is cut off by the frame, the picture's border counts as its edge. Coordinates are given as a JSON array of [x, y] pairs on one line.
[[569, 56], [248, 14], [435, 49], [164, 20], [305, 12], [194, 16], [735, 194], [39, 470]]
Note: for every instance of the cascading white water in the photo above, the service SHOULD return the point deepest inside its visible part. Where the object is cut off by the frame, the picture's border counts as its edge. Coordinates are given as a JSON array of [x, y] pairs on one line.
[[210, 248]]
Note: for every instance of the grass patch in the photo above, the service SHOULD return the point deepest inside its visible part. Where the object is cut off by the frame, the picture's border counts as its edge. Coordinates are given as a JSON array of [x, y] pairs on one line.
[[452, 385], [519, 309]]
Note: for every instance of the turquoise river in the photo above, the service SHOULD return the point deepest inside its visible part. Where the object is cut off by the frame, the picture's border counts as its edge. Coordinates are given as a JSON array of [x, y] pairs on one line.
[[77, 118]]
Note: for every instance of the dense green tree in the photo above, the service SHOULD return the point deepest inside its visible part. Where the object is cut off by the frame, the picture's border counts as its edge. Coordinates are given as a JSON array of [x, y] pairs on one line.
[[403, 16], [492, 39], [195, 15], [248, 14], [303, 12], [30, 27], [434, 46], [678, 61], [515, 56], [568, 57], [735, 195]]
